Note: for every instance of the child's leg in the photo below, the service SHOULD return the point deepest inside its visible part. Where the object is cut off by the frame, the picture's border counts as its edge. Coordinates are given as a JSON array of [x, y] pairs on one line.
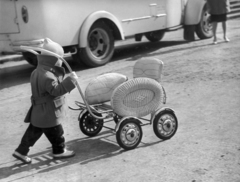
[[30, 137], [56, 138]]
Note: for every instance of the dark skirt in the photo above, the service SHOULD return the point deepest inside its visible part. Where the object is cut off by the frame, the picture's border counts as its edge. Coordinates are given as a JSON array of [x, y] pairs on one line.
[[219, 18]]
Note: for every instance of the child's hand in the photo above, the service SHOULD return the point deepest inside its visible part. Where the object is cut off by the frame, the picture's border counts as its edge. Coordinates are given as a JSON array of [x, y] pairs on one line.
[[74, 76]]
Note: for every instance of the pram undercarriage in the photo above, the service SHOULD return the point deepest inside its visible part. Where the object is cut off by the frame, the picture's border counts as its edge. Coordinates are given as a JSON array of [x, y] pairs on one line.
[[128, 129]]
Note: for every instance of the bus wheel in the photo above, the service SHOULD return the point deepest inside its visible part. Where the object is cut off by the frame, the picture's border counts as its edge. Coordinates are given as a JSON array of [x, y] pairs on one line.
[[155, 36], [100, 46], [30, 58], [204, 28]]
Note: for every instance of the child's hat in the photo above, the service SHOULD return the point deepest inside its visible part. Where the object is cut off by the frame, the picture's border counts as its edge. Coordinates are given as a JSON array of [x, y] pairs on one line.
[[54, 47]]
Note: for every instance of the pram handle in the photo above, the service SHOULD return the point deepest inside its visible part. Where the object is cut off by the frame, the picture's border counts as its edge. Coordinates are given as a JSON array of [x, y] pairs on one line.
[[34, 49]]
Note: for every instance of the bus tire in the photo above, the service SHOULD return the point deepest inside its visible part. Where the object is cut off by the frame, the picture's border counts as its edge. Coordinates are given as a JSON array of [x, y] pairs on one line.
[[155, 36], [204, 28], [100, 48]]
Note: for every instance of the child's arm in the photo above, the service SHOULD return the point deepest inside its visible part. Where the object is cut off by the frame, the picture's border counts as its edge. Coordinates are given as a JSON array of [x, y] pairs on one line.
[[54, 88]]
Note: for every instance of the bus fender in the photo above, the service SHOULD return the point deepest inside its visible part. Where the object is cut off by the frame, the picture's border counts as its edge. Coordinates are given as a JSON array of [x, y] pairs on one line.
[[193, 11], [88, 22]]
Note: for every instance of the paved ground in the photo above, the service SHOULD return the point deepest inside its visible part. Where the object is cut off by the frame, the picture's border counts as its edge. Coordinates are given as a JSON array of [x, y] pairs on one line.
[[202, 82]]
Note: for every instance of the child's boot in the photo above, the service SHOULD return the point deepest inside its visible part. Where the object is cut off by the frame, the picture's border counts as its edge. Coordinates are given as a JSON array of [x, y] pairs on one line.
[[65, 154], [24, 158]]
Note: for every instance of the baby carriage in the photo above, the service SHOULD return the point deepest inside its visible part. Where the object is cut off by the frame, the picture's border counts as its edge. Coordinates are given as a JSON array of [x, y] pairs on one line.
[[126, 102]]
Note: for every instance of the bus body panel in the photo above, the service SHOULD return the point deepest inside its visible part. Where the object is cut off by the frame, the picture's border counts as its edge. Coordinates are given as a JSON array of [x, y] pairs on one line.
[[174, 10], [193, 12], [68, 22], [8, 17], [58, 18]]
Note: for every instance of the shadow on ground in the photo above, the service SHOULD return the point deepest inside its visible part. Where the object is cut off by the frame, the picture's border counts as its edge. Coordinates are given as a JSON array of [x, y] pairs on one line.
[[87, 150]]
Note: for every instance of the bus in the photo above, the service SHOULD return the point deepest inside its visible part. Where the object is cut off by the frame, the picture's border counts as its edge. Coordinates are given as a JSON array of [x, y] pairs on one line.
[[88, 29]]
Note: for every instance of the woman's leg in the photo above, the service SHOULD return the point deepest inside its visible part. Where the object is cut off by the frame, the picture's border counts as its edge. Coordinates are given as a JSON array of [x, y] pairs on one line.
[[214, 29], [224, 26]]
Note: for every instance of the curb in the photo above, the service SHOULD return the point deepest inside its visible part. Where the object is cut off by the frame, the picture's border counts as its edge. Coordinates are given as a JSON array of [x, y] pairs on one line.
[[11, 57]]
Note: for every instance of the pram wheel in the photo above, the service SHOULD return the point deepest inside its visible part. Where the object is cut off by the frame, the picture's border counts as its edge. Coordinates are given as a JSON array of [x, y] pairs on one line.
[[89, 125], [129, 134], [165, 124]]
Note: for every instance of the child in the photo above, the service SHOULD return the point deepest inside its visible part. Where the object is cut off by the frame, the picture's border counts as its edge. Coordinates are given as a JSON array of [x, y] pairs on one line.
[[218, 10], [48, 104]]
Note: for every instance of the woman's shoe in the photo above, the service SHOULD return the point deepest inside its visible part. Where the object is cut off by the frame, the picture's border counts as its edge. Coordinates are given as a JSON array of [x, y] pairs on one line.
[[65, 154], [25, 159], [226, 39], [215, 42]]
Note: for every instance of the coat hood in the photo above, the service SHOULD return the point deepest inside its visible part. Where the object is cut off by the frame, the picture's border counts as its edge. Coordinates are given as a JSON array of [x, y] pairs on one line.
[[54, 47]]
